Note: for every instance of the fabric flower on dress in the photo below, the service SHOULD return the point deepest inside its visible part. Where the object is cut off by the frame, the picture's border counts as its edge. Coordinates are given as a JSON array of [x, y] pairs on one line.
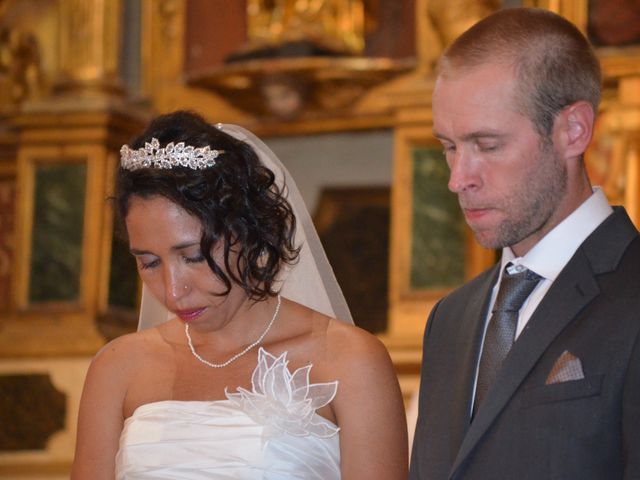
[[285, 402]]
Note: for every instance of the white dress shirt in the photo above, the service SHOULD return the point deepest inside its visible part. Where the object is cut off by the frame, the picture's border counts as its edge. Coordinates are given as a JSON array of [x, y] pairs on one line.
[[552, 253]]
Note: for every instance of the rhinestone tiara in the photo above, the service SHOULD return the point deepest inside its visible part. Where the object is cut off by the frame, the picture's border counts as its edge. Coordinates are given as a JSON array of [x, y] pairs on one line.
[[173, 155]]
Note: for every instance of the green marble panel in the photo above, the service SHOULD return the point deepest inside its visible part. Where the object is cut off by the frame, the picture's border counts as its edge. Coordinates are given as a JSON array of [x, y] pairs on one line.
[[123, 276], [437, 243], [56, 246]]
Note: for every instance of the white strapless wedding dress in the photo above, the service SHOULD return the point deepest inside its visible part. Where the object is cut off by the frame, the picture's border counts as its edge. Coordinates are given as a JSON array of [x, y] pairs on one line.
[[270, 433]]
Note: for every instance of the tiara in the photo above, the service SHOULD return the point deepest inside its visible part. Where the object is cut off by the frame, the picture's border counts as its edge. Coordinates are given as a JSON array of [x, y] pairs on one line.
[[173, 155]]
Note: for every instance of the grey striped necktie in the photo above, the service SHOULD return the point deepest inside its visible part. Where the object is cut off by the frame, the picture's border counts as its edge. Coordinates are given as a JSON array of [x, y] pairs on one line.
[[514, 290]]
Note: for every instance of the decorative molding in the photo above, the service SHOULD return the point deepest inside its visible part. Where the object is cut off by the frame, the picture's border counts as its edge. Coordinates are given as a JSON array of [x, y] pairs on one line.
[[58, 138], [46, 392], [31, 411], [299, 88], [363, 101]]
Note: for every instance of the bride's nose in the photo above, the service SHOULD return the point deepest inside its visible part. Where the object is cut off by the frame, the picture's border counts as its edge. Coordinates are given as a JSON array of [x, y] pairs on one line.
[[176, 285]]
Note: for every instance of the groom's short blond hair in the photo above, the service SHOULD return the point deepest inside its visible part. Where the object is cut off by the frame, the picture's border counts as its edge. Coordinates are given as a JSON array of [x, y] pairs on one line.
[[554, 64]]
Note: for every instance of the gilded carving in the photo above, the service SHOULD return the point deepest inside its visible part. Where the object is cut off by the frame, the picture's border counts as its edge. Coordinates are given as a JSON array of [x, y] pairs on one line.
[[606, 163], [21, 56], [453, 17], [334, 25], [439, 22], [168, 11], [289, 88], [20, 67], [302, 59], [89, 43], [613, 159], [78, 32]]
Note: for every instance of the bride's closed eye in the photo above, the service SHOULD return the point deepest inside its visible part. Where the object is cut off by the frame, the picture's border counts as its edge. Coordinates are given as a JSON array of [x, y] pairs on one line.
[[194, 259], [147, 265], [199, 258]]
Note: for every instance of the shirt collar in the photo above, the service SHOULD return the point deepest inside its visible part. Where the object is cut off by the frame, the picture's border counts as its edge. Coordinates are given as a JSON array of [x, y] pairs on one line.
[[550, 255]]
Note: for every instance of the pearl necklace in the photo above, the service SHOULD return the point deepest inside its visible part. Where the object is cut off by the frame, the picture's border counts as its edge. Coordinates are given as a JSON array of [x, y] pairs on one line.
[[237, 355]]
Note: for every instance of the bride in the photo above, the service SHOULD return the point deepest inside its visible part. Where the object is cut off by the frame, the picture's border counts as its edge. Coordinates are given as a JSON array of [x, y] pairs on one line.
[[249, 376]]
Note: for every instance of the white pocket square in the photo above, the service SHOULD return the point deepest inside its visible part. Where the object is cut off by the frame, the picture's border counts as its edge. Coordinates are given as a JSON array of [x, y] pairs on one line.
[[568, 367]]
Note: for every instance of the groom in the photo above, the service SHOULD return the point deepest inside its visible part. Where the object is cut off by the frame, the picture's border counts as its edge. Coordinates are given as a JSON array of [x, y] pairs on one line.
[[532, 369]]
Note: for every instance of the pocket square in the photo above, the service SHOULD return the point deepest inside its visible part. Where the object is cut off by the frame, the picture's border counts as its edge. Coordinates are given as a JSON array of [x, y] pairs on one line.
[[568, 367]]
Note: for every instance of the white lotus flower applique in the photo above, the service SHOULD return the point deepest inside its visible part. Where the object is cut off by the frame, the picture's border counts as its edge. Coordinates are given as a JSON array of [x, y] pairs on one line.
[[284, 402]]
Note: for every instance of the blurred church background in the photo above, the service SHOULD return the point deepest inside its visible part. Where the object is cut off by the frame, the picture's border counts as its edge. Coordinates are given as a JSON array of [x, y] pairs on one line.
[[340, 89]]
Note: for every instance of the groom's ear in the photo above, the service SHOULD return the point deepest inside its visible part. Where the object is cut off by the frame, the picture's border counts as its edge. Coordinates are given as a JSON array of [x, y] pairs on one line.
[[573, 129]]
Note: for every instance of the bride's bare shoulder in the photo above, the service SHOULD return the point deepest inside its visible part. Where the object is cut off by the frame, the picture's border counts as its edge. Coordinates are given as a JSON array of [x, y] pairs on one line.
[[340, 342], [348, 343], [124, 353]]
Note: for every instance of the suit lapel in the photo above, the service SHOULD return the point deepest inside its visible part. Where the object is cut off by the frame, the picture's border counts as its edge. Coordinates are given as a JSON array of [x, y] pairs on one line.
[[567, 297], [569, 294], [469, 338], [574, 288]]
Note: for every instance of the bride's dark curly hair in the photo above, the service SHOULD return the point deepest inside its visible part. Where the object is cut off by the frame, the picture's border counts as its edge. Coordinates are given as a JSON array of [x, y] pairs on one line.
[[236, 201]]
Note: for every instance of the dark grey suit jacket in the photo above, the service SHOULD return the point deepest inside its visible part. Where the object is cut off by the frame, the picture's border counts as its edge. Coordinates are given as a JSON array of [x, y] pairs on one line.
[[581, 429]]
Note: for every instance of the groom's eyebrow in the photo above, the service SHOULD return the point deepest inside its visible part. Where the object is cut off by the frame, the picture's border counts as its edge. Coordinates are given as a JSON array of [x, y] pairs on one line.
[[472, 136]]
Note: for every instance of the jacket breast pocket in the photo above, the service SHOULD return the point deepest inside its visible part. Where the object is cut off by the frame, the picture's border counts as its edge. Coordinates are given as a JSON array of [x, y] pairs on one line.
[[564, 391]]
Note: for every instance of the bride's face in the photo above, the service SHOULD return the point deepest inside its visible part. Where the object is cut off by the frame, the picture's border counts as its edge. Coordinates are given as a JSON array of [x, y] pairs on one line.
[[165, 241]]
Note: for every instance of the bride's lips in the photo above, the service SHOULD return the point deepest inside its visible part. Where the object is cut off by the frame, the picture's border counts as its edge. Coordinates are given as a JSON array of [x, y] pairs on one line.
[[189, 315]]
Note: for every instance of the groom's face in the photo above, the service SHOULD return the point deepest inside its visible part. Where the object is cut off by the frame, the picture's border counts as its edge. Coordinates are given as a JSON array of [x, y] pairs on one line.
[[508, 179]]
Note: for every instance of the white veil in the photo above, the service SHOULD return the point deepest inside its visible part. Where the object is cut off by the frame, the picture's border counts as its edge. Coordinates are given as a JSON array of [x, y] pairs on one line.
[[310, 281]]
